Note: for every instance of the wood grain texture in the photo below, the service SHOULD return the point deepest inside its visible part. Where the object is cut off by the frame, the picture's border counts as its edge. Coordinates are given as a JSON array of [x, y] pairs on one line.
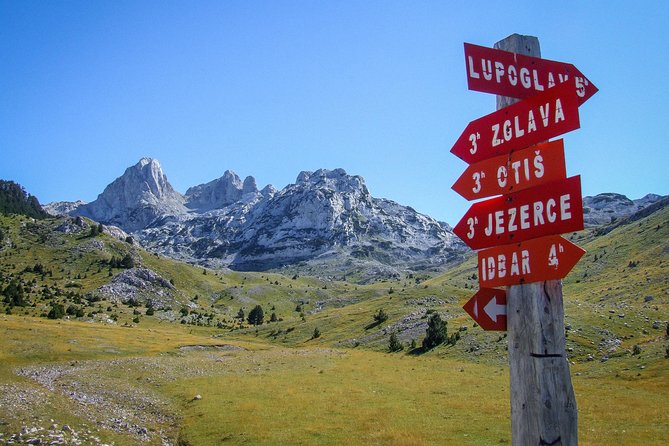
[[543, 404]]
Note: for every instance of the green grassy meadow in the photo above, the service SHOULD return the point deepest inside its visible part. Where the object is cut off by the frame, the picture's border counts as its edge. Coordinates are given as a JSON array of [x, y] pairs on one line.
[[117, 375]]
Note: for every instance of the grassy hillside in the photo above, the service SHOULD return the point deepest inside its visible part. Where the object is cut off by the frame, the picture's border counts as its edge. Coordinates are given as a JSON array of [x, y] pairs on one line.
[[191, 373]]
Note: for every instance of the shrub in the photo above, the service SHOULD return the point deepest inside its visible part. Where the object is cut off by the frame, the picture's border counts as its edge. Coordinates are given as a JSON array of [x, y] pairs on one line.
[[127, 262], [437, 332], [394, 344], [317, 333], [381, 316], [57, 312], [256, 316]]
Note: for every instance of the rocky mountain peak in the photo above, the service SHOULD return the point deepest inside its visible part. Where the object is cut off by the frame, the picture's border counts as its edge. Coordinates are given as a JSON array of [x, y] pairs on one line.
[[219, 193], [250, 186], [606, 208], [136, 198], [336, 180]]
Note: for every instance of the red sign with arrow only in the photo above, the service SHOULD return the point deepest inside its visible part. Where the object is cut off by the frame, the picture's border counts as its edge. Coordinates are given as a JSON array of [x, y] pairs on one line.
[[518, 76], [533, 120], [488, 308], [536, 260], [516, 171], [552, 208]]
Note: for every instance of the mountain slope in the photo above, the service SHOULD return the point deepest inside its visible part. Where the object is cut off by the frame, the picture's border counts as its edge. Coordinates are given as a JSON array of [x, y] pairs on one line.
[[15, 200], [606, 208], [227, 222]]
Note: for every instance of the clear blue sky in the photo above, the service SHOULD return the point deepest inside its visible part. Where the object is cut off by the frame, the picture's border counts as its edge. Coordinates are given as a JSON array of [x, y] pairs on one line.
[[271, 88]]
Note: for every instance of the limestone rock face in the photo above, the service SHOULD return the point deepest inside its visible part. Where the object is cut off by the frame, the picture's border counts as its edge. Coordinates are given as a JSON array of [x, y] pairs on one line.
[[141, 284], [324, 213], [220, 192], [607, 208], [229, 222], [136, 199]]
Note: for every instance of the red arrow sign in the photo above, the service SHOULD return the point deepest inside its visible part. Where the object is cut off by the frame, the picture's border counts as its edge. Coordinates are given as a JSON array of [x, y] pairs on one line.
[[552, 208], [516, 171], [536, 260], [488, 308], [531, 121], [518, 76]]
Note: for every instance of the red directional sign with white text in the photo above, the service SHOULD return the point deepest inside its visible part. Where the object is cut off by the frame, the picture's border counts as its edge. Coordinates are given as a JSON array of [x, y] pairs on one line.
[[518, 76], [488, 308], [516, 171], [536, 260], [552, 208], [533, 120]]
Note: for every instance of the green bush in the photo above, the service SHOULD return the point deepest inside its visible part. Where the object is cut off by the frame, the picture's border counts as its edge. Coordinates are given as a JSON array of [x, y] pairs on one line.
[[437, 332], [394, 344], [57, 312], [256, 316], [381, 316]]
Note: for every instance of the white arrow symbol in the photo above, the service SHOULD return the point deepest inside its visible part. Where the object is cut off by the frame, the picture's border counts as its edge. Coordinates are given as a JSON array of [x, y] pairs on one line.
[[492, 309]]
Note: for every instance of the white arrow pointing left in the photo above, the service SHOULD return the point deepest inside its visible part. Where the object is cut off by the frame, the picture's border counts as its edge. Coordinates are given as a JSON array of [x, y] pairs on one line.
[[493, 309]]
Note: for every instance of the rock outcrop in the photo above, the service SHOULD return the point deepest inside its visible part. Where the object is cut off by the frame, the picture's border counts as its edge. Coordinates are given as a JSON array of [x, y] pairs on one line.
[[135, 200], [607, 208]]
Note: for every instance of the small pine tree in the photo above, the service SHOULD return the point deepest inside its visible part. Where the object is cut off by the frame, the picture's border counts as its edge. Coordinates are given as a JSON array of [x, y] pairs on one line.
[[240, 314], [273, 318], [317, 333], [394, 344], [256, 316], [57, 312], [127, 262], [437, 332], [381, 316]]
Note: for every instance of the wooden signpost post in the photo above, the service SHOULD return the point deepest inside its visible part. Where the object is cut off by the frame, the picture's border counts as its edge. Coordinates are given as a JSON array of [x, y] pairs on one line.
[[509, 154]]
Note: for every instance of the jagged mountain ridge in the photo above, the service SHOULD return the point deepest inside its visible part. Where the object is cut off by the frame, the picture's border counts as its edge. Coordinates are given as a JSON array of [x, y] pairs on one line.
[[227, 222], [606, 208]]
